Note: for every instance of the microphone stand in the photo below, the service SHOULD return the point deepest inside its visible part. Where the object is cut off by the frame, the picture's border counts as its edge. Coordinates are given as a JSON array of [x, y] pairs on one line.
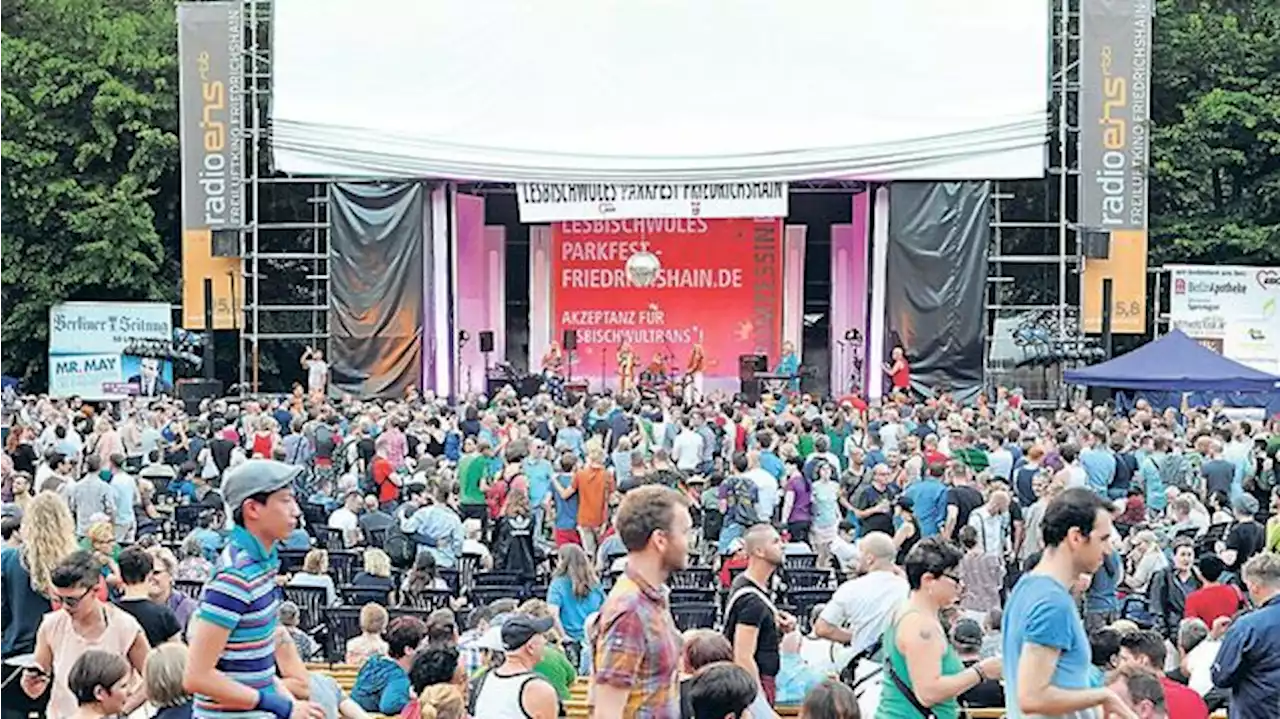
[[604, 360], [841, 365]]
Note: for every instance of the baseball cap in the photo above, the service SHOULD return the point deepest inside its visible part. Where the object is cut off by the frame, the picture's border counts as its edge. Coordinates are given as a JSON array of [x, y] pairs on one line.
[[967, 633], [256, 476], [520, 628], [1245, 504]]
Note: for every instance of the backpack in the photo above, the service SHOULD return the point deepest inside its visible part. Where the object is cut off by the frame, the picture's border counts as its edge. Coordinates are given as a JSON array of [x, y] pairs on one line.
[[400, 547], [741, 507], [341, 463], [1173, 471], [325, 441]]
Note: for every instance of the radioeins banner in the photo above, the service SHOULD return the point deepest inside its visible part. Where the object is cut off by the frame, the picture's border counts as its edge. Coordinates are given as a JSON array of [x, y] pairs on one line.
[[1115, 114], [1234, 310], [211, 130], [719, 284]]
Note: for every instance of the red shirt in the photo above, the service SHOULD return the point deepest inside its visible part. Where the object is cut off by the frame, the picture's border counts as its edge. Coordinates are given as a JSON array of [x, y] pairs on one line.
[[902, 378], [933, 456], [1209, 603], [387, 490], [1182, 701], [854, 401]]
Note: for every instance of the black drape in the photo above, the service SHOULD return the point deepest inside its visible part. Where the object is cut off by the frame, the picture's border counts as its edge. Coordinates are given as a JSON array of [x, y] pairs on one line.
[[376, 285], [937, 278]]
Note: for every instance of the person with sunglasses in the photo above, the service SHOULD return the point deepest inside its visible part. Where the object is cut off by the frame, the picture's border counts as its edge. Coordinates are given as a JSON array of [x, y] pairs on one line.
[[925, 675], [83, 624]]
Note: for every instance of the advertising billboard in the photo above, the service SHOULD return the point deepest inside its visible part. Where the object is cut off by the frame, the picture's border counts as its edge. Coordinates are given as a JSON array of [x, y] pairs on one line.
[[718, 283], [211, 131], [557, 202], [87, 343], [1115, 125], [1232, 309]]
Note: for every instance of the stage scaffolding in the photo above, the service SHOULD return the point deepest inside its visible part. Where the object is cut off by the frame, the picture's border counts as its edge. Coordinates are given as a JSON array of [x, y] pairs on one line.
[[1035, 260], [284, 242]]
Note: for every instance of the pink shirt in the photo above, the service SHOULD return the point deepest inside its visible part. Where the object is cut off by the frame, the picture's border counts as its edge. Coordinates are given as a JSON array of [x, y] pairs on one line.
[[56, 630]]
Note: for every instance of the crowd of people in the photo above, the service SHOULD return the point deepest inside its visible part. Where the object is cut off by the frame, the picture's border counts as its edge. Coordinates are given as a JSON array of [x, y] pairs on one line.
[[687, 557]]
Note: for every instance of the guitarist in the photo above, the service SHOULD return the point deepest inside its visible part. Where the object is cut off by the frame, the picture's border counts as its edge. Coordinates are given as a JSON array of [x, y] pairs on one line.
[[693, 376]]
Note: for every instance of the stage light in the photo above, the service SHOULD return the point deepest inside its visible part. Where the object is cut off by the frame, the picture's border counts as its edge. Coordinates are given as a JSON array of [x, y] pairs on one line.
[[642, 268]]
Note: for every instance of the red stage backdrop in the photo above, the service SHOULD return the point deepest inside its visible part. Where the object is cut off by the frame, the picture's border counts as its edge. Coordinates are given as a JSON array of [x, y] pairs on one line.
[[720, 284]]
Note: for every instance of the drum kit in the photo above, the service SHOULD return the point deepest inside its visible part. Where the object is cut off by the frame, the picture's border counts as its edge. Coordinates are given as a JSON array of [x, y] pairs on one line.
[[659, 378]]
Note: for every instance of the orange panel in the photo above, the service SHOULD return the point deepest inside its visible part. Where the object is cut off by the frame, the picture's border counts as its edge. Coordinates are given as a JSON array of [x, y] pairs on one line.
[[198, 263], [1127, 268]]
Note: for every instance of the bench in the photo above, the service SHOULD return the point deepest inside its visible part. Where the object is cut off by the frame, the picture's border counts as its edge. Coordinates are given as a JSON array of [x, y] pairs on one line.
[[578, 708]]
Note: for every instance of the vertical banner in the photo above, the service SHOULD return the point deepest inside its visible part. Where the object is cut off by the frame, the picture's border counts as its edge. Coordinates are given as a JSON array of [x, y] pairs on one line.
[[481, 297], [849, 265], [794, 239], [1115, 102], [211, 131], [717, 282], [540, 338]]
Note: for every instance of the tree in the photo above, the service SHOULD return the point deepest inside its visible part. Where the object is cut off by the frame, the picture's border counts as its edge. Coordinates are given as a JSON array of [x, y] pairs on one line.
[[90, 162], [1215, 181]]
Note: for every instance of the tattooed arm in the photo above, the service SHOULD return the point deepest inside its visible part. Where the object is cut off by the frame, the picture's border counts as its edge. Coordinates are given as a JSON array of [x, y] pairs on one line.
[[922, 642]]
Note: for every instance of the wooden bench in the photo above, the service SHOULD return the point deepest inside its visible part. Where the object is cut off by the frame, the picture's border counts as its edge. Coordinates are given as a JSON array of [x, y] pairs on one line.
[[578, 708]]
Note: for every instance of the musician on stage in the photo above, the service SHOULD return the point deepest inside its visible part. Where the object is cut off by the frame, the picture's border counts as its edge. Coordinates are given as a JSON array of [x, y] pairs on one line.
[[658, 368], [626, 368], [553, 365], [693, 376], [553, 361], [899, 371], [789, 364]]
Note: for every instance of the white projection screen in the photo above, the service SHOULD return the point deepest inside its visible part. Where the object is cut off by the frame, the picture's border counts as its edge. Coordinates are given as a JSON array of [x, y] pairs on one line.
[[661, 90]]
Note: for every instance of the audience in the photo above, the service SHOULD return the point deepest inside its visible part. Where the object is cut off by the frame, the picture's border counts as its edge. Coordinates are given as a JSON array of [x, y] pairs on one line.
[[383, 682], [1180, 615]]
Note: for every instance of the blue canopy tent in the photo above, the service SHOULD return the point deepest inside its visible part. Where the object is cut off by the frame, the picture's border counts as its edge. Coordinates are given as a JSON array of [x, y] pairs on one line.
[[1178, 363], [1175, 364]]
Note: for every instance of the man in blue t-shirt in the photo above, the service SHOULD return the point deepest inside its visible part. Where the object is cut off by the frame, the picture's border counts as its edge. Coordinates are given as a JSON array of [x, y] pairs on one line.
[[929, 498], [565, 529], [1046, 649]]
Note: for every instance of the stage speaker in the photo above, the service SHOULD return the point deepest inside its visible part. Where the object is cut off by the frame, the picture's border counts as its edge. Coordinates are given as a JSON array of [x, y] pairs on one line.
[[570, 342], [1097, 244], [191, 391], [225, 243], [749, 365], [486, 341], [492, 385]]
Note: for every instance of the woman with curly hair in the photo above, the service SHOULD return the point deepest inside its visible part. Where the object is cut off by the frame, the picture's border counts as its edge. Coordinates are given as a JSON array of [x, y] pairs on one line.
[[48, 536]]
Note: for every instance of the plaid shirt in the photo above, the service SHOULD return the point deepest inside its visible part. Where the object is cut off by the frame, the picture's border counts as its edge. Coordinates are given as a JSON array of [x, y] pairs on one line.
[[638, 648]]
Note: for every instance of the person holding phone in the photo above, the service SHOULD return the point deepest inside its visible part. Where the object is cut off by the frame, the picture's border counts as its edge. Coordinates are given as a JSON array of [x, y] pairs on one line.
[[83, 623]]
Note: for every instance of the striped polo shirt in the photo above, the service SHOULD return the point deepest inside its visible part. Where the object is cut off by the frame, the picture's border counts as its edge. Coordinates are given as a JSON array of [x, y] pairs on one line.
[[242, 597]]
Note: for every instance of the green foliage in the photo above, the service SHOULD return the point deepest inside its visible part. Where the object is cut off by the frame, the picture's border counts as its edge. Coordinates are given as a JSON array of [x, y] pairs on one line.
[[1215, 186], [90, 152]]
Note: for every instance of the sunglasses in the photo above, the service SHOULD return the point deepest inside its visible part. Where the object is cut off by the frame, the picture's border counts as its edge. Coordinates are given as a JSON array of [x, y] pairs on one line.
[[73, 602]]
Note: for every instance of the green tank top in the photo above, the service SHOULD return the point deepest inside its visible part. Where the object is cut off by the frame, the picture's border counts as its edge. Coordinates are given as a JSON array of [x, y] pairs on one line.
[[893, 705]]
